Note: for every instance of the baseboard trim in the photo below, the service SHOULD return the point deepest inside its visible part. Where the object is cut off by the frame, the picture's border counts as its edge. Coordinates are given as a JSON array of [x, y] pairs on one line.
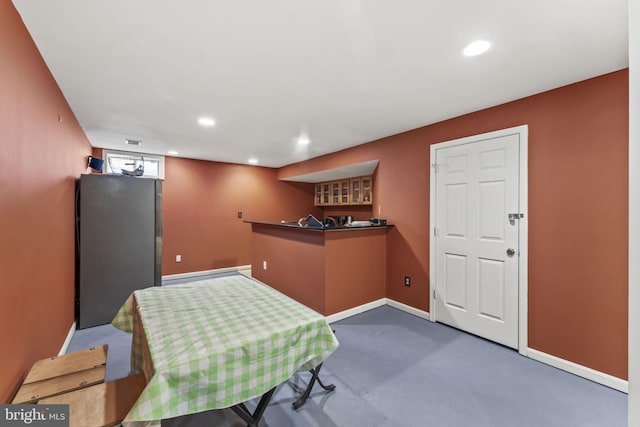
[[356, 310], [245, 270], [242, 269], [67, 341], [375, 304], [580, 370], [408, 309]]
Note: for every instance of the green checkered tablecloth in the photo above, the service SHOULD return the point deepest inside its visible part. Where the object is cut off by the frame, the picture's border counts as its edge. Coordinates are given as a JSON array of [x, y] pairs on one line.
[[216, 343]]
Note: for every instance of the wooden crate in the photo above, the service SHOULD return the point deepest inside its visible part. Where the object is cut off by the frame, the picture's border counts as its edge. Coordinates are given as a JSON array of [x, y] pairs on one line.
[[61, 374], [101, 405]]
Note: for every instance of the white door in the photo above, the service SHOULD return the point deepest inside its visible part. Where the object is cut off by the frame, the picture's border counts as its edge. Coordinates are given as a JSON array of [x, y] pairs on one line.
[[476, 244]]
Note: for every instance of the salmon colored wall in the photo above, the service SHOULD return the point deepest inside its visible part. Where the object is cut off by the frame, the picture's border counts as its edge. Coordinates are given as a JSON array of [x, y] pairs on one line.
[[295, 263], [328, 271], [42, 151], [578, 219], [201, 201], [355, 268]]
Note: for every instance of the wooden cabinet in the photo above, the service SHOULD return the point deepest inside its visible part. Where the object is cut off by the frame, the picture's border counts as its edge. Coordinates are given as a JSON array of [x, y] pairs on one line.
[[317, 201], [352, 191], [340, 192], [362, 191], [323, 194]]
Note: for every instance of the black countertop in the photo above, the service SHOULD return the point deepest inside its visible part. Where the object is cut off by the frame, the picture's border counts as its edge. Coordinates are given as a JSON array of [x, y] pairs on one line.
[[294, 225]]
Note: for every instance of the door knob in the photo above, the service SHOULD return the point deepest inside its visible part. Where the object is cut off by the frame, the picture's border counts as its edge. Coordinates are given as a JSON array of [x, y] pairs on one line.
[[511, 252]]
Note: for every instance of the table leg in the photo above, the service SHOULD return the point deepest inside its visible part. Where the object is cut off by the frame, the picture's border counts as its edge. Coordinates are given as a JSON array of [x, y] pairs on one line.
[[315, 372], [253, 419]]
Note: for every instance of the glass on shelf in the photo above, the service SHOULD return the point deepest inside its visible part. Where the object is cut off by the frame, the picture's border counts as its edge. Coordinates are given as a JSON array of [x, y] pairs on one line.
[[366, 190], [344, 192], [355, 191]]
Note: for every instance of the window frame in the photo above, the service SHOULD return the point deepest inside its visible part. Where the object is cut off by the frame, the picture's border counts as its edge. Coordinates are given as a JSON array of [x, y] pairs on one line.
[[106, 153]]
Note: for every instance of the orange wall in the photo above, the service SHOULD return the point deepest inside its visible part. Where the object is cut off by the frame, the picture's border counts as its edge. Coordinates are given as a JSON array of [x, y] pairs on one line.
[[201, 201], [578, 153], [355, 268], [328, 271], [296, 262], [40, 158]]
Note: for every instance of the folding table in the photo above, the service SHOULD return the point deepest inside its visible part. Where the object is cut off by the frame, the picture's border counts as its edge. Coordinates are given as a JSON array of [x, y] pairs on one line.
[[217, 343]]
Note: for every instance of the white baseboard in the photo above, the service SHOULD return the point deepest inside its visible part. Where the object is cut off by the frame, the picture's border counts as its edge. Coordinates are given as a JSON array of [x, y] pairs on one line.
[[67, 341], [375, 304], [408, 309], [245, 270], [242, 269], [579, 370], [356, 310]]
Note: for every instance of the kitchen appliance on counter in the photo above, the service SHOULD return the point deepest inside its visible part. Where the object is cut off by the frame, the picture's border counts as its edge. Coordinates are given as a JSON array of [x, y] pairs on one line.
[[346, 220], [372, 222], [310, 221], [338, 221], [378, 221], [355, 224]]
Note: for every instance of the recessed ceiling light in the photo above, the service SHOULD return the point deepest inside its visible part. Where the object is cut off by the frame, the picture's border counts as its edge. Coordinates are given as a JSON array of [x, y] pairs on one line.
[[206, 121], [172, 152], [253, 161], [303, 140], [477, 47]]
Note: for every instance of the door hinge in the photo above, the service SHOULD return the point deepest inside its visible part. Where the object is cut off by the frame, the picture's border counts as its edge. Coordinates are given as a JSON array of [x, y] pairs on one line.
[[435, 167], [435, 232], [435, 297]]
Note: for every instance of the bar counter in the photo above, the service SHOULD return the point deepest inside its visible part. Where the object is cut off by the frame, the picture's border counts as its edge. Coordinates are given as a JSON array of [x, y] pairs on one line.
[[327, 269], [294, 225]]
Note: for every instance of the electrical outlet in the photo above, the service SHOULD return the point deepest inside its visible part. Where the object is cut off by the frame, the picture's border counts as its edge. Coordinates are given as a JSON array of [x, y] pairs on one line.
[[239, 214], [178, 258], [407, 281]]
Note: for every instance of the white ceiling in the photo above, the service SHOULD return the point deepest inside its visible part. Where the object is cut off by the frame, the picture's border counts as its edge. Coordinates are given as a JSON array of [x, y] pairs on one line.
[[345, 72]]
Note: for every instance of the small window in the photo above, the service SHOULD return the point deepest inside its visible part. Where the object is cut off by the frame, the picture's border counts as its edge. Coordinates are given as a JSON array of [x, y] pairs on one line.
[[118, 161]]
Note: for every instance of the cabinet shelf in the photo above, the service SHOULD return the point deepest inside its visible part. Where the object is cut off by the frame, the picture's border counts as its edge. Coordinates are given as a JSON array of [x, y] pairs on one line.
[[344, 192]]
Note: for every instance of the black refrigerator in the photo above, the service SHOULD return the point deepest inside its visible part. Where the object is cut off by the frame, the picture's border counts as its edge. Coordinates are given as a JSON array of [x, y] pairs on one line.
[[119, 236]]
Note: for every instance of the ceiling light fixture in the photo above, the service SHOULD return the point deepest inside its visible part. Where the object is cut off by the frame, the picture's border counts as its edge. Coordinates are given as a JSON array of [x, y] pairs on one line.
[[172, 152], [206, 121], [253, 161], [132, 142], [303, 140], [476, 48]]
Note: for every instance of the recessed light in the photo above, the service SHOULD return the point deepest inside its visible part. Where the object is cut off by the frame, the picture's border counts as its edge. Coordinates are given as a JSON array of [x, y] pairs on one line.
[[303, 140], [477, 47], [206, 121], [172, 152], [253, 161]]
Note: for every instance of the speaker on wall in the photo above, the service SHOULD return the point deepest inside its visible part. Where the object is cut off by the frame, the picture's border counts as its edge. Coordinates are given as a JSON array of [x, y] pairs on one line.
[[95, 163]]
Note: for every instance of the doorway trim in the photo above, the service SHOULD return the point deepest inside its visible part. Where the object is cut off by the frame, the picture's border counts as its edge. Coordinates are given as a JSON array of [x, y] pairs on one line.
[[523, 232]]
